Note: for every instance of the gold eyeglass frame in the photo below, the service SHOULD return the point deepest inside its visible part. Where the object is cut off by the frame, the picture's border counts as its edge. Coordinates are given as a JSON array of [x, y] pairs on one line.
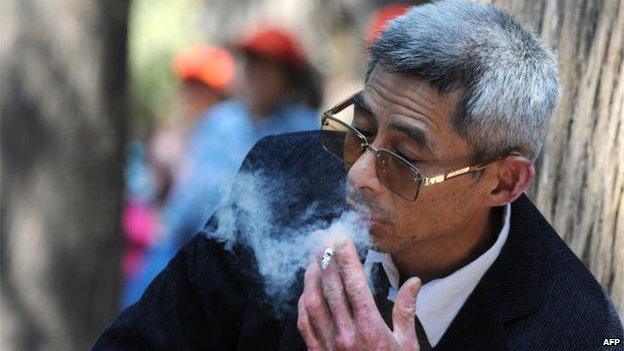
[[419, 180]]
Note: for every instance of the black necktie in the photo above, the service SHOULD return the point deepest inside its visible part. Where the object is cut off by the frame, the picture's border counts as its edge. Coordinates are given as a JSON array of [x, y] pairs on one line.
[[381, 288]]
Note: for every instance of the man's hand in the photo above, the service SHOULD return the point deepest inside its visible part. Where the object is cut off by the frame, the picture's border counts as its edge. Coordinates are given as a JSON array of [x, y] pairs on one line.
[[337, 310]]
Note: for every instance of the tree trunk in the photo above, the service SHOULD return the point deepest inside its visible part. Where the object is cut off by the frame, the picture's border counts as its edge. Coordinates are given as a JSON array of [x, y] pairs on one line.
[[63, 78], [580, 179]]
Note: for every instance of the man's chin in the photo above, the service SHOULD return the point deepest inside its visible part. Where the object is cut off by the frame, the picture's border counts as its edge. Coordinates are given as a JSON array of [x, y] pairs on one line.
[[380, 239]]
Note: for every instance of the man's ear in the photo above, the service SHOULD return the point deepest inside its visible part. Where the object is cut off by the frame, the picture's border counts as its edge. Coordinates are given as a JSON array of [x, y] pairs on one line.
[[510, 178]]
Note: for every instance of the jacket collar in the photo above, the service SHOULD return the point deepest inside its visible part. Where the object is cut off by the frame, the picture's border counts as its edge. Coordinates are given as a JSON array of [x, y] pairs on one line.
[[510, 288]]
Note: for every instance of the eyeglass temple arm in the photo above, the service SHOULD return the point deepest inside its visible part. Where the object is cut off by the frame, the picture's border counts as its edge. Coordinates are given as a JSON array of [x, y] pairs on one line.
[[426, 181], [340, 106]]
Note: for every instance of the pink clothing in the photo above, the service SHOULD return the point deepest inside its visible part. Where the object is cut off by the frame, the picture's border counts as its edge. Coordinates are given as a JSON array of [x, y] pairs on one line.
[[140, 225]]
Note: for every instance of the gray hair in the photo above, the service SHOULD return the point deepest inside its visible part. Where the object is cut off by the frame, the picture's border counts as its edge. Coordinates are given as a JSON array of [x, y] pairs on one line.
[[508, 76]]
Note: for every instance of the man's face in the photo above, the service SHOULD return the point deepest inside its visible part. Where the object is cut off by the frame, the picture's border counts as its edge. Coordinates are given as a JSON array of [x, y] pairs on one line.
[[411, 118]]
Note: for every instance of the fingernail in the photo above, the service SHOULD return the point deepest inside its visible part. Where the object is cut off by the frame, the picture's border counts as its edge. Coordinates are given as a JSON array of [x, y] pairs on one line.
[[341, 241], [416, 287]]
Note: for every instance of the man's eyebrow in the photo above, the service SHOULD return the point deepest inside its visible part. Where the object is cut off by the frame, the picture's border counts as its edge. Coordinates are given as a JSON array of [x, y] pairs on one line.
[[416, 134], [358, 101]]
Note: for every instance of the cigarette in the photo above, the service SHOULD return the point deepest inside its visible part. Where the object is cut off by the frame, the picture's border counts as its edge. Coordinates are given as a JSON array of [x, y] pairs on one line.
[[326, 258]]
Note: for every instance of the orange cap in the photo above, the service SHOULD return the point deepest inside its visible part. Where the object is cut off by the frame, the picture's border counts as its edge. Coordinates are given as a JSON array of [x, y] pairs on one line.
[[379, 20], [275, 44], [210, 65]]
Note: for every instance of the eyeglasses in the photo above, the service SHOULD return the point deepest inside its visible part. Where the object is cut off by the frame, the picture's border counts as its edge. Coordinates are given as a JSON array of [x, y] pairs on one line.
[[401, 177]]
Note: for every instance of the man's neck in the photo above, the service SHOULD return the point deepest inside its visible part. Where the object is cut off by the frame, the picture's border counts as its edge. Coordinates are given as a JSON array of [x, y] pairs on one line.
[[441, 256]]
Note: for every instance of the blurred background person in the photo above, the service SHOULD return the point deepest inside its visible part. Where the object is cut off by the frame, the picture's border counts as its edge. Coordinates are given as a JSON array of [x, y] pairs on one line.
[[279, 85], [279, 93], [206, 76], [164, 180]]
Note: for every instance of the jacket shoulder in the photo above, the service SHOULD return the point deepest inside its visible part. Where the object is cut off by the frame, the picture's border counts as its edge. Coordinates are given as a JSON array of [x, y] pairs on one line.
[[291, 140], [573, 311], [572, 290]]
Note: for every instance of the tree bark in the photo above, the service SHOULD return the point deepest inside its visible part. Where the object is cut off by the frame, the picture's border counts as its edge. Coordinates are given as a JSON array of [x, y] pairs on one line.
[[580, 178], [63, 79]]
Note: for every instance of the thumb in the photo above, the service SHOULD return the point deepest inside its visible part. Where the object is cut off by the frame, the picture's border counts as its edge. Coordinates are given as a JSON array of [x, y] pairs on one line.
[[404, 310]]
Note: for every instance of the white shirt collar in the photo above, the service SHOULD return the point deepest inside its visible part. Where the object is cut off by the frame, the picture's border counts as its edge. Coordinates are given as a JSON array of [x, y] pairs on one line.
[[440, 300]]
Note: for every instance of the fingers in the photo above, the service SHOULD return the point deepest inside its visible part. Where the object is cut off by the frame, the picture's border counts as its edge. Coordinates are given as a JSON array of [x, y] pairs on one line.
[[355, 283], [337, 308], [305, 327], [315, 307], [404, 311], [336, 298]]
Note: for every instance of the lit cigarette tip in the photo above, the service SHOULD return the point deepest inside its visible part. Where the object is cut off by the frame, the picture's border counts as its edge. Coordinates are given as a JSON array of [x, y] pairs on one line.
[[327, 255]]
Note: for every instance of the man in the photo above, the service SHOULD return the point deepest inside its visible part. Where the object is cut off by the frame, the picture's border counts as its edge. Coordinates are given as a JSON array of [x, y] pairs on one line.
[[438, 154]]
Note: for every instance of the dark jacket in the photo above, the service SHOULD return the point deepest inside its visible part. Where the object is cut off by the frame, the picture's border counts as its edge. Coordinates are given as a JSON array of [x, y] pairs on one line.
[[536, 296]]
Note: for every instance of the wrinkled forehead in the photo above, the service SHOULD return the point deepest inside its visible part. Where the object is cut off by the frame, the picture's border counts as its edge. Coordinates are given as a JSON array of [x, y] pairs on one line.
[[408, 83], [399, 80], [389, 95]]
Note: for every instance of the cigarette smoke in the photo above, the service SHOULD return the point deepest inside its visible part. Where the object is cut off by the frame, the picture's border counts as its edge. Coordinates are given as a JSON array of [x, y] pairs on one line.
[[259, 215]]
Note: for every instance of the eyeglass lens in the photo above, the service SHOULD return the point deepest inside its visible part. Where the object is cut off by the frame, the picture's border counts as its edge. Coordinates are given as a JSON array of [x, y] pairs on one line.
[[342, 141]]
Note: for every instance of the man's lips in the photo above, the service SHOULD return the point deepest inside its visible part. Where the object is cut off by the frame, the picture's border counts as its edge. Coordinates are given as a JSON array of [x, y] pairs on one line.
[[365, 212]]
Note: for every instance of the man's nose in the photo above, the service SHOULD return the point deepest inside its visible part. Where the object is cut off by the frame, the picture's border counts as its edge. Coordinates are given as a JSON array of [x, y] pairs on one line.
[[363, 175]]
